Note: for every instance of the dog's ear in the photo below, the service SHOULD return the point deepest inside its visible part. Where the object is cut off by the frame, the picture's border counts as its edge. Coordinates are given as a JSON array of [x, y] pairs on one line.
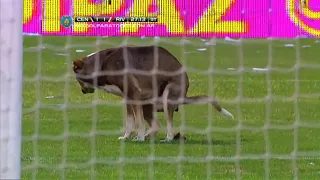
[[77, 65]]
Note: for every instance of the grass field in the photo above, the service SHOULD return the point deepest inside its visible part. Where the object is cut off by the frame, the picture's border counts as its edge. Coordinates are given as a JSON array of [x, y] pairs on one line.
[[278, 138]]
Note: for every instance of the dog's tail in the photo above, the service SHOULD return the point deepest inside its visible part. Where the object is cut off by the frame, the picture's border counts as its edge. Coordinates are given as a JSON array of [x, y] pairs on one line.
[[161, 105], [207, 99]]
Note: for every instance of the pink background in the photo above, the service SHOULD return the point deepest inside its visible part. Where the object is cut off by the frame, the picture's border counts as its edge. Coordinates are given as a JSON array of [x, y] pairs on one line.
[[265, 18]]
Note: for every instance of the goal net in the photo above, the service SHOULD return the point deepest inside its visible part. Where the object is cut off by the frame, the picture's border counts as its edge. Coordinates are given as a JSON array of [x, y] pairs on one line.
[[270, 85]]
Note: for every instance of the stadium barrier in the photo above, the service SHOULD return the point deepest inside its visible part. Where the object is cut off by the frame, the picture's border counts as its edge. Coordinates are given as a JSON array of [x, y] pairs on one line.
[[202, 18]]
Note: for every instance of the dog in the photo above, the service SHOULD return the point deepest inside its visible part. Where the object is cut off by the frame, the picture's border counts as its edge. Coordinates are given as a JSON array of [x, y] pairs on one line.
[[149, 78]]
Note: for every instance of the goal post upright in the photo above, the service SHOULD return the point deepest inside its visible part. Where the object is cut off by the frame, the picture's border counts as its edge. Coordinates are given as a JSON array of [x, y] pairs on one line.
[[11, 69]]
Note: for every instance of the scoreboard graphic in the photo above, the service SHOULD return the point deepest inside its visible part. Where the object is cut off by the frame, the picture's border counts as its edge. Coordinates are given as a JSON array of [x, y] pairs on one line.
[[67, 21], [201, 18], [115, 19]]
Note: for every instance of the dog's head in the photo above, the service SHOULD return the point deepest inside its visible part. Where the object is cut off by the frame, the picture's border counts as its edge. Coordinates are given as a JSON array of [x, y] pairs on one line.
[[83, 75], [88, 69]]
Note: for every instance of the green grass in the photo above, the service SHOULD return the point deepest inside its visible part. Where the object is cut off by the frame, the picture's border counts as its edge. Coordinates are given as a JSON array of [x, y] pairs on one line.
[[80, 141]]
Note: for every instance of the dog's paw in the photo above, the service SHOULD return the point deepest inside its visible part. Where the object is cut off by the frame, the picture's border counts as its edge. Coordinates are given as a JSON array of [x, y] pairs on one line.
[[178, 136], [123, 138], [147, 136], [138, 139], [166, 140]]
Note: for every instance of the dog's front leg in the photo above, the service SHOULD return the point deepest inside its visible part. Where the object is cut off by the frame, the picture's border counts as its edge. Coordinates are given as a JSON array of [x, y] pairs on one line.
[[139, 118], [129, 124], [135, 93]]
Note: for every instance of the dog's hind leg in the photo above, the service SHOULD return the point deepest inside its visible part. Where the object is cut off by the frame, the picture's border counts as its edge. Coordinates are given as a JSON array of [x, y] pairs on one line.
[[169, 108], [129, 124], [169, 117]]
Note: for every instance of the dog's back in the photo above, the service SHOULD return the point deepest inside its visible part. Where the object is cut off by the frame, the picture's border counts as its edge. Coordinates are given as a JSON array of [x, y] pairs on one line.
[[148, 57], [143, 58]]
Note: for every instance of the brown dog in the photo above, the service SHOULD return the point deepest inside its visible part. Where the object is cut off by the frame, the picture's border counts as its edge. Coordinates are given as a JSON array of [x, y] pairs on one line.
[[149, 78]]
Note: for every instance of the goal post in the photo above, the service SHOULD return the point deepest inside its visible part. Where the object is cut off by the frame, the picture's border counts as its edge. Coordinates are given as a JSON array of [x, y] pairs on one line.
[[11, 50]]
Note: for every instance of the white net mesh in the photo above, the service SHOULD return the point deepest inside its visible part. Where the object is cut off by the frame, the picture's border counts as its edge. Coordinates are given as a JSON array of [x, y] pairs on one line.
[[271, 86]]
